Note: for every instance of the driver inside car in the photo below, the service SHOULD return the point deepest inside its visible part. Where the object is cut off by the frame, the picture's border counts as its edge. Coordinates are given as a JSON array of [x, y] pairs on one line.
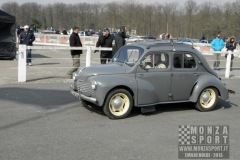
[[155, 62]]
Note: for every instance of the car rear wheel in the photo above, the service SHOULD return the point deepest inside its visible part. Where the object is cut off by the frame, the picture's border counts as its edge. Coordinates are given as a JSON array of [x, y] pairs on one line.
[[118, 104], [207, 100]]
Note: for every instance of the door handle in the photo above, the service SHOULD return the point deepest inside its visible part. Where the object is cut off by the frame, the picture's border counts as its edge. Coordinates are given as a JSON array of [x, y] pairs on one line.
[[140, 75], [195, 74]]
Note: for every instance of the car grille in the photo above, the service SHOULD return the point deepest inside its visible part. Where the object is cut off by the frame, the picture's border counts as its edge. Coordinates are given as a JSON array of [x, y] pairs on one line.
[[85, 88]]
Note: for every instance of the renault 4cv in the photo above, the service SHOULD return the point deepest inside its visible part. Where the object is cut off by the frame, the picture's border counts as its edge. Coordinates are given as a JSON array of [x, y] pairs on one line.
[[147, 74]]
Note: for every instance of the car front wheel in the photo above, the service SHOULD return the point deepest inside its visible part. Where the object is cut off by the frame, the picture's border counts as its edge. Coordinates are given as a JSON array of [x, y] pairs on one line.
[[207, 100], [118, 104]]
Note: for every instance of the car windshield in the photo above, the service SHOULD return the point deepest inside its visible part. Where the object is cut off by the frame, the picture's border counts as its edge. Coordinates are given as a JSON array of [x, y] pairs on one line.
[[128, 55]]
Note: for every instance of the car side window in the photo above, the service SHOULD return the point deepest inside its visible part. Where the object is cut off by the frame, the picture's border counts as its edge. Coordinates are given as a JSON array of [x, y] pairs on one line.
[[184, 60], [156, 60]]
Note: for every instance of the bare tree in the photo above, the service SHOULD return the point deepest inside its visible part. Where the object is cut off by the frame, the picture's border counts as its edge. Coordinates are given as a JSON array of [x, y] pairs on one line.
[[190, 20], [191, 9]]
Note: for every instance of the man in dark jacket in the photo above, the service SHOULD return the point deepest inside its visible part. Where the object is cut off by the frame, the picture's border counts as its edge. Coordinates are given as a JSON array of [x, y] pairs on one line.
[[19, 30], [75, 42], [27, 38], [119, 39], [64, 32], [231, 46], [105, 40]]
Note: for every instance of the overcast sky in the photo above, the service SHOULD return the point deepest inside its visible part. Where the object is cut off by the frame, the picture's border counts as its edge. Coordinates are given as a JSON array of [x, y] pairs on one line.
[[220, 2]]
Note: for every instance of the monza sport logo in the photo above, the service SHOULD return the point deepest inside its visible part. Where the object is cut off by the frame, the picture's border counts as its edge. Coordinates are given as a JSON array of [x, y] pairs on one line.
[[203, 142]]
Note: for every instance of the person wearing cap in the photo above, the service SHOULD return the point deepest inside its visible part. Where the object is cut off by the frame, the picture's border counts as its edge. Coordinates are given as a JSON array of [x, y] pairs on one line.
[[27, 38], [231, 46], [105, 40], [119, 39], [217, 45]]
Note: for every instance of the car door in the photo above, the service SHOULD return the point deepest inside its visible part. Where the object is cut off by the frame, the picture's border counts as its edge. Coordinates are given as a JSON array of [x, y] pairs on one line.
[[154, 80], [184, 75]]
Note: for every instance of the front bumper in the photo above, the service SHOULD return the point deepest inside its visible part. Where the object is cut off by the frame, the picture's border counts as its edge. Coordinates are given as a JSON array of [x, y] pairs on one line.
[[89, 99], [74, 92], [81, 96]]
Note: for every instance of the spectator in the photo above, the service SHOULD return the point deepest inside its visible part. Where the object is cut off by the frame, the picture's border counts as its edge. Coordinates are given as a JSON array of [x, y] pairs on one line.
[[75, 42], [105, 40], [202, 38], [34, 29], [27, 37], [119, 39], [217, 45], [167, 36], [163, 36], [19, 30], [90, 32], [57, 31], [86, 33], [64, 32], [231, 45]]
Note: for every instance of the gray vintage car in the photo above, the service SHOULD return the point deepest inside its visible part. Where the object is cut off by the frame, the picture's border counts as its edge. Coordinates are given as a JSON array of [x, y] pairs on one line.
[[146, 74]]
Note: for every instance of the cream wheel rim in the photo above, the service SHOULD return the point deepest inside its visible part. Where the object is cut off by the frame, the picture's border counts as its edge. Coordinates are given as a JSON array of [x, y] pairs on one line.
[[119, 104], [208, 98]]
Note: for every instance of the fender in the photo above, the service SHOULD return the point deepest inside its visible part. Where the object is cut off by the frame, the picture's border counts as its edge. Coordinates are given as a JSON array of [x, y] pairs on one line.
[[209, 81], [105, 83]]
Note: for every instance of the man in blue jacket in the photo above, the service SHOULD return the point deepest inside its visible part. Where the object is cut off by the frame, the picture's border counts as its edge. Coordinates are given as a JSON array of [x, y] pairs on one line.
[[217, 45], [27, 38]]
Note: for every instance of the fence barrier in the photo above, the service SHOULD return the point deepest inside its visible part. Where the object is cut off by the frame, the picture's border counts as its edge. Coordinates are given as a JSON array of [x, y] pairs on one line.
[[57, 39], [22, 56]]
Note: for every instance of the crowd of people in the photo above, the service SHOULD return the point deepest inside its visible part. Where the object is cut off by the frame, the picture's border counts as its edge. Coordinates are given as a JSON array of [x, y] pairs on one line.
[[106, 40], [218, 44]]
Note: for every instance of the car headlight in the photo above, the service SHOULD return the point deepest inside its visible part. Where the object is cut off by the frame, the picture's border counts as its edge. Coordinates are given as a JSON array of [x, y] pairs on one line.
[[94, 85], [74, 76]]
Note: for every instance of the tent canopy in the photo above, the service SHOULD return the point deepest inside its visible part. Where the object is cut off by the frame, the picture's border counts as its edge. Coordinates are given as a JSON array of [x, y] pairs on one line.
[[7, 36], [6, 18]]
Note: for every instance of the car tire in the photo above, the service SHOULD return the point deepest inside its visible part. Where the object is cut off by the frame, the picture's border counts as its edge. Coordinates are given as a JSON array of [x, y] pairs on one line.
[[118, 104], [207, 100]]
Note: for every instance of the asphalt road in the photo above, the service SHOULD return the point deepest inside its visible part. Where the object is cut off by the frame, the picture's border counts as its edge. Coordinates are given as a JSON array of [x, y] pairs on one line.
[[44, 122]]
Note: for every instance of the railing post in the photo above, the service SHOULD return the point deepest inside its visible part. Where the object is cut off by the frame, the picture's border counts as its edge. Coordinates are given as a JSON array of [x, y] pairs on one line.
[[22, 63], [228, 64], [88, 56]]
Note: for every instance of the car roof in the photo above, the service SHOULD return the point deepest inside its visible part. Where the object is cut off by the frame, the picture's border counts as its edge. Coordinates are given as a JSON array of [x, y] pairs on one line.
[[153, 45], [164, 44]]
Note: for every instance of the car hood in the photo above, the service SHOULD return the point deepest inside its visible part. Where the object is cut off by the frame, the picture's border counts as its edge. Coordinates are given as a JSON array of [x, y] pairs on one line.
[[105, 69]]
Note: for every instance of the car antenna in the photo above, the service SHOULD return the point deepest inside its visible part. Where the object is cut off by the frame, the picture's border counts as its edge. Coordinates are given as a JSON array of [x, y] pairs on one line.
[[171, 41]]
